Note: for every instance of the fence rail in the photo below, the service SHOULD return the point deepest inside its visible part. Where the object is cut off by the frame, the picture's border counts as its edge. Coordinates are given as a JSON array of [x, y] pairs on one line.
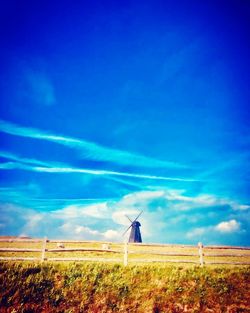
[[199, 254]]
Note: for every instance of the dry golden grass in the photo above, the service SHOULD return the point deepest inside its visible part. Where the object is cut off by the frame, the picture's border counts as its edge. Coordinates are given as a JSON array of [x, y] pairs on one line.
[[105, 288], [137, 252]]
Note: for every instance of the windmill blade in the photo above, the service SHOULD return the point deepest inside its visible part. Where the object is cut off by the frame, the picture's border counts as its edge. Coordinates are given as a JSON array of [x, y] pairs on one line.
[[138, 216], [126, 230], [129, 218]]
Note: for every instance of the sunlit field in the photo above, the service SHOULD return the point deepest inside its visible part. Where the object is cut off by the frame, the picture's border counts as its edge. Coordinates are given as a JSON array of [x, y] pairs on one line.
[[155, 279], [102, 287], [114, 252]]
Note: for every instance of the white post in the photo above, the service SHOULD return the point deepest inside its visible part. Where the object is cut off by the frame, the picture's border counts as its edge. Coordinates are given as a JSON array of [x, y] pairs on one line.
[[43, 249], [200, 246], [125, 261]]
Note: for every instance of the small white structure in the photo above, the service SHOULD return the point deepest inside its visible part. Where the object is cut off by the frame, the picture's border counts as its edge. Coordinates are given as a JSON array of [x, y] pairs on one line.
[[105, 246], [60, 245]]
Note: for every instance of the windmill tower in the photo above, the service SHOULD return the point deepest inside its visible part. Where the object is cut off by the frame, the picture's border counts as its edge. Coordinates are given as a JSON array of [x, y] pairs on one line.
[[135, 234]]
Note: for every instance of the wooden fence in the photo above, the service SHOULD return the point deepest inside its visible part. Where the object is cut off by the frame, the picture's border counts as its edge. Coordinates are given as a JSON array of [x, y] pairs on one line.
[[191, 254]]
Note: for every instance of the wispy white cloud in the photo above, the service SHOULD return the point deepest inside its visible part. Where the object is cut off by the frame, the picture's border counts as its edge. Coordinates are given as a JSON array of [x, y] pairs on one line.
[[128, 182], [119, 215], [88, 149], [105, 172], [33, 221], [15, 165], [179, 201], [225, 227], [111, 234], [67, 223], [226, 165], [88, 233], [14, 157], [197, 232], [78, 230], [97, 210], [62, 168]]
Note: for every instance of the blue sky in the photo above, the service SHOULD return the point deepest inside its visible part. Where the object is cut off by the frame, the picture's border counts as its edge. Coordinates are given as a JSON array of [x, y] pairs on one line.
[[112, 107]]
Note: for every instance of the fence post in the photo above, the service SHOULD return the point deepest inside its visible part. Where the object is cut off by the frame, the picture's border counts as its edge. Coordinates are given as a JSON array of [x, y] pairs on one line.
[[200, 246], [125, 261], [43, 249]]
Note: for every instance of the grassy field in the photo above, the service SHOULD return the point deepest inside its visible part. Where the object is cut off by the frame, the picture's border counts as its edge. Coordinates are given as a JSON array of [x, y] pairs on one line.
[[100, 287], [136, 252], [110, 287]]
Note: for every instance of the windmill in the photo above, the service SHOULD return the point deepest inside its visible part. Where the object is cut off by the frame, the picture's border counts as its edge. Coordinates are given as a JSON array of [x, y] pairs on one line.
[[135, 234]]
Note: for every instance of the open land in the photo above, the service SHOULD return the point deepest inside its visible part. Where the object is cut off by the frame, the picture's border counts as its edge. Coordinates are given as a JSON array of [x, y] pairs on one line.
[[86, 286]]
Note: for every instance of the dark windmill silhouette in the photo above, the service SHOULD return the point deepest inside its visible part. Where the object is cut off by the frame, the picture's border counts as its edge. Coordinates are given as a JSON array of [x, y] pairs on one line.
[[135, 234]]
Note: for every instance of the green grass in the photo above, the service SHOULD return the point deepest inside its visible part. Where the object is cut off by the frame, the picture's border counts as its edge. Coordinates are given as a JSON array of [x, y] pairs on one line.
[[100, 287]]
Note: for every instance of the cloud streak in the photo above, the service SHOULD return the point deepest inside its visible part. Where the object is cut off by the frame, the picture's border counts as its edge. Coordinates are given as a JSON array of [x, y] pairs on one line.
[[64, 169], [88, 149], [14, 157]]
